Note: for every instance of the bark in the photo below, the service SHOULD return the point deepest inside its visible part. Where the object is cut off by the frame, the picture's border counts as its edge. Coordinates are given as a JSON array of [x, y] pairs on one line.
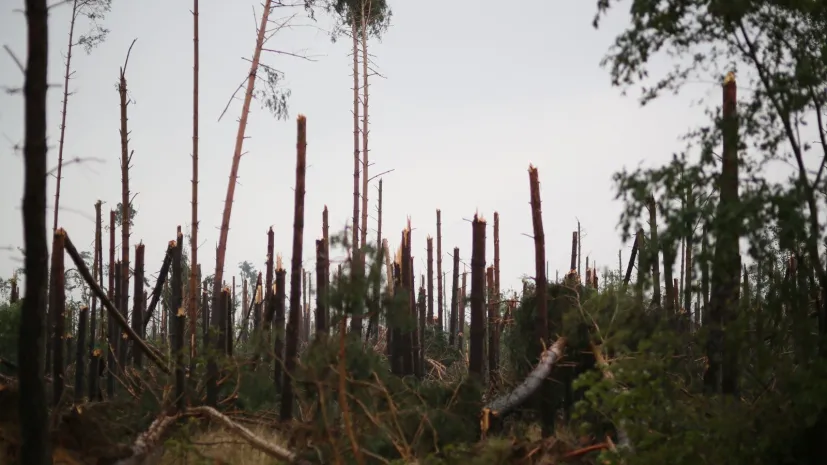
[[110, 308], [430, 279], [493, 324], [541, 323], [668, 267], [579, 251], [496, 255], [83, 321], [111, 345], [504, 404], [454, 303], [477, 348], [57, 301], [278, 347], [291, 349], [421, 312], [67, 73], [97, 272], [192, 307], [439, 324], [462, 304], [326, 236], [126, 158], [653, 251], [632, 256], [269, 295], [179, 322], [376, 303], [356, 160], [407, 348], [159, 284], [722, 348], [244, 308], [239, 143], [321, 290], [394, 333], [34, 431], [138, 302], [688, 263], [573, 265], [365, 164]]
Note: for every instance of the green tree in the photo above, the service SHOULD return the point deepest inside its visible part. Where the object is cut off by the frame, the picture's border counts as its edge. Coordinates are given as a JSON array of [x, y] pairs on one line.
[[778, 373]]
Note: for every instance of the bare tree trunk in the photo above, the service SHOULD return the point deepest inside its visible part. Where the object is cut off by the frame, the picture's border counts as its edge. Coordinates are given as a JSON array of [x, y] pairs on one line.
[[454, 304], [477, 350], [137, 304], [178, 329], [94, 354], [67, 73], [57, 301], [723, 347], [291, 351], [326, 236], [193, 281], [239, 143], [579, 252], [493, 324], [111, 332], [652, 253], [356, 160], [321, 290], [496, 255], [541, 325], [439, 323], [365, 165], [32, 408], [126, 202], [462, 304], [278, 345], [430, 278]]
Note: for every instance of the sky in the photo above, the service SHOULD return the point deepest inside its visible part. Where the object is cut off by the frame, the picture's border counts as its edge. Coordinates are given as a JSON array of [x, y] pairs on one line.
[[470, 94]]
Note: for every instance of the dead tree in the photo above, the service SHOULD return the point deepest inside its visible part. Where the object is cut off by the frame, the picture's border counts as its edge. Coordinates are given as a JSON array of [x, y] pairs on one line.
[[493, 324], [477, 348], [97, 271], [321, 290], [33, 408], [83, 320], [439, 324], [722, 347], [278, 345], [192, 306], [138, 302], [541, 282], [239, 143], [126, 201], [497, 254], [178, 326], [653, 250], [291, 350], [57, 304], [452, 325]]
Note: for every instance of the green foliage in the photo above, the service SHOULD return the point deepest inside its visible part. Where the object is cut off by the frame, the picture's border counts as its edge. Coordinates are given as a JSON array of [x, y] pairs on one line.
[[9, 331]]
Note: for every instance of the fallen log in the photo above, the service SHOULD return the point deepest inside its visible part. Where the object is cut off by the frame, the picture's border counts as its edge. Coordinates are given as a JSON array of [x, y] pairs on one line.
[[110, 308], [508, 402]]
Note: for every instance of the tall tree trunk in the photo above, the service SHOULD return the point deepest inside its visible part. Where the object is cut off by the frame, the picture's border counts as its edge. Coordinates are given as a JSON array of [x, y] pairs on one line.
[[541, 324], [194, 279], [654, 247], [57, 298], [178, 327], [278, 344], [365, 165], [34, 429], [126, 202], [477, 349], [291, 350], [321, 290], [722, 349], [137, 310], [493, 323], [454, 304], [439, 323], [111, 332], [83, 321], [462, 304], [94, 353], [66, 74], [430, 278], [496, 255], [239, 143], [326, 237], [356, 322]]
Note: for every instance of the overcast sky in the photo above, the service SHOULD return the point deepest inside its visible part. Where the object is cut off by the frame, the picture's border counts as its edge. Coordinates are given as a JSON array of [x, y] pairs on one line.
[[473, 92]]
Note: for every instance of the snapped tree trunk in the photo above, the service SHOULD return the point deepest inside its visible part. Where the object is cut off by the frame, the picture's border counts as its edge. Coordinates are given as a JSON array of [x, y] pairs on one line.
[[541, 318], [239, 143], [291, 350], [34, 429], [477, 349]]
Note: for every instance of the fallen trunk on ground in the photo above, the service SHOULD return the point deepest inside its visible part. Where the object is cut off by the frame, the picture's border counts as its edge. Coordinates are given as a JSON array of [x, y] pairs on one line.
[[508, 402]]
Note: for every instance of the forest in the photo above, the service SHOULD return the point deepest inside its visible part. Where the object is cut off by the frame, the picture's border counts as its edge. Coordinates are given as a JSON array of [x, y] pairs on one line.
[[706, 344]]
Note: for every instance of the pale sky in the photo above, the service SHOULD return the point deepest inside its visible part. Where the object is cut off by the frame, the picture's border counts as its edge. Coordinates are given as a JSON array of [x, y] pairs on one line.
[[473, 93]]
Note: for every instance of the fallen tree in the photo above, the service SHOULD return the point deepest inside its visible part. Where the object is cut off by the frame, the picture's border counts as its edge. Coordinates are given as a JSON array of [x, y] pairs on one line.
[[508, 402], [110, 308]]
